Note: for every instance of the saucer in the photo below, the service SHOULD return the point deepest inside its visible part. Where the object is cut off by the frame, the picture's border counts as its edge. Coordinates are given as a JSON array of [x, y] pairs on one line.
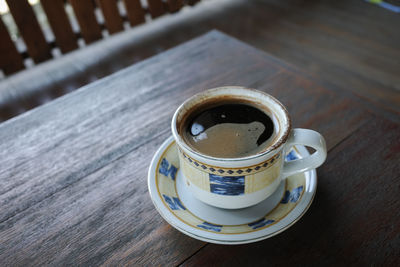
[[175, 203]]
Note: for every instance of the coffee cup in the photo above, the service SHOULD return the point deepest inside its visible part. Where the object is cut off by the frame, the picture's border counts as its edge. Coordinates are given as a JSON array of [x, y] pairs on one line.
[[225, 161]]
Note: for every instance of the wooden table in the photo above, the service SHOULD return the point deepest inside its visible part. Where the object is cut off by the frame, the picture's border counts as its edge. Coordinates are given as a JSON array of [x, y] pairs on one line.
[[73, 173]]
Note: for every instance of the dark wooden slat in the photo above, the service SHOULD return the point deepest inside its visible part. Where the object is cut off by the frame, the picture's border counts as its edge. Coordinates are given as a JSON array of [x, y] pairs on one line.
[[10, 59], [156, 8], [113, 19], [356, 208], [59, 22], [135, 12], [77, 183], [192, 2], [84, 12], [30, 30], [174, 5]]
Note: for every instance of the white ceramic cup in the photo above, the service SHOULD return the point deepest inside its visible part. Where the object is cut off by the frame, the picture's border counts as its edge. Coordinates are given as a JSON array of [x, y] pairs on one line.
[[234, 183]]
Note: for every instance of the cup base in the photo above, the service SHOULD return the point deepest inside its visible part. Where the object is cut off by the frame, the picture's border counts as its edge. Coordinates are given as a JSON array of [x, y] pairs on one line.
[[227, 216], [231, 202]]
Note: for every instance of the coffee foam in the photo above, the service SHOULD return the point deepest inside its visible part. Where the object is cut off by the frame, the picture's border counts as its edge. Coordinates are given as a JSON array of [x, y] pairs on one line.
[[232, 139]]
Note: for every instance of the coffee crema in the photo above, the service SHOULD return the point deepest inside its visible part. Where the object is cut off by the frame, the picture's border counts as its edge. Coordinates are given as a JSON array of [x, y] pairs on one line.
[[228, 129]]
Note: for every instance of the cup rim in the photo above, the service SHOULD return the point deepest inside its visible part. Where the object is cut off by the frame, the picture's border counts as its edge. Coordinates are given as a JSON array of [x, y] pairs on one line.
[[276, 145]]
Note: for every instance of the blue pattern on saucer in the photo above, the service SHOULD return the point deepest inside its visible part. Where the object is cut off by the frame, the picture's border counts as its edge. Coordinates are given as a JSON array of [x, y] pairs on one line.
[[174, 203], [291, 156], [167, 170], [260, 223], [210, 226], [292, 196]]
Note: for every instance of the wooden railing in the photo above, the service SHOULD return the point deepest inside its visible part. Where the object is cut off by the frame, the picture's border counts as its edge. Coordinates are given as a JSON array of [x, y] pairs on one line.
[[65, 38]]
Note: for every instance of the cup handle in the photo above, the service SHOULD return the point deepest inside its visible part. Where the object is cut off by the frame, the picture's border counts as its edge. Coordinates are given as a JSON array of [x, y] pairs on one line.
[[309, 138]]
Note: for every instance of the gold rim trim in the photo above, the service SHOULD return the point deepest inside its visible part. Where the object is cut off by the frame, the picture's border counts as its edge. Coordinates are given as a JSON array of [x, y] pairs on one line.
[[243, 170]]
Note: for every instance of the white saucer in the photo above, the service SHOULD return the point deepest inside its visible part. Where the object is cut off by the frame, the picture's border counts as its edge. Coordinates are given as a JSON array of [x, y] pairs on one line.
[[192, 217]]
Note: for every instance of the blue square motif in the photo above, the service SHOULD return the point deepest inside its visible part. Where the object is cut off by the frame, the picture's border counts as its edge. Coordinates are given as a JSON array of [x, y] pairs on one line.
[[226, 185]]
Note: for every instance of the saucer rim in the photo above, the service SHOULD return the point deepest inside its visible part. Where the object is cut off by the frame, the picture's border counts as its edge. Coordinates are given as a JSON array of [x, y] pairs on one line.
[[251, 240], [312, 180]]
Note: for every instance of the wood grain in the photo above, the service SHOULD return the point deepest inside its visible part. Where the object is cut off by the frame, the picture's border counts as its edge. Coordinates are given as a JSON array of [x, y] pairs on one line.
[[60, 25], [84, 12], [73, 172], [113, 19], [29, 28], [330, 42], [353, 220], [10, 59], [156, 8], [108, 218], [135, 12]]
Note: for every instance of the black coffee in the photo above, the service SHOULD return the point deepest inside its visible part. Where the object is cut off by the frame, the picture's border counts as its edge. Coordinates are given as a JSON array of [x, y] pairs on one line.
[[228, 129]]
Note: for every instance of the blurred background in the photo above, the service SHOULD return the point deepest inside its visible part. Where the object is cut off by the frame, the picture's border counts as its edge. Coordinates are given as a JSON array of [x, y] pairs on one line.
[[52, 47]]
